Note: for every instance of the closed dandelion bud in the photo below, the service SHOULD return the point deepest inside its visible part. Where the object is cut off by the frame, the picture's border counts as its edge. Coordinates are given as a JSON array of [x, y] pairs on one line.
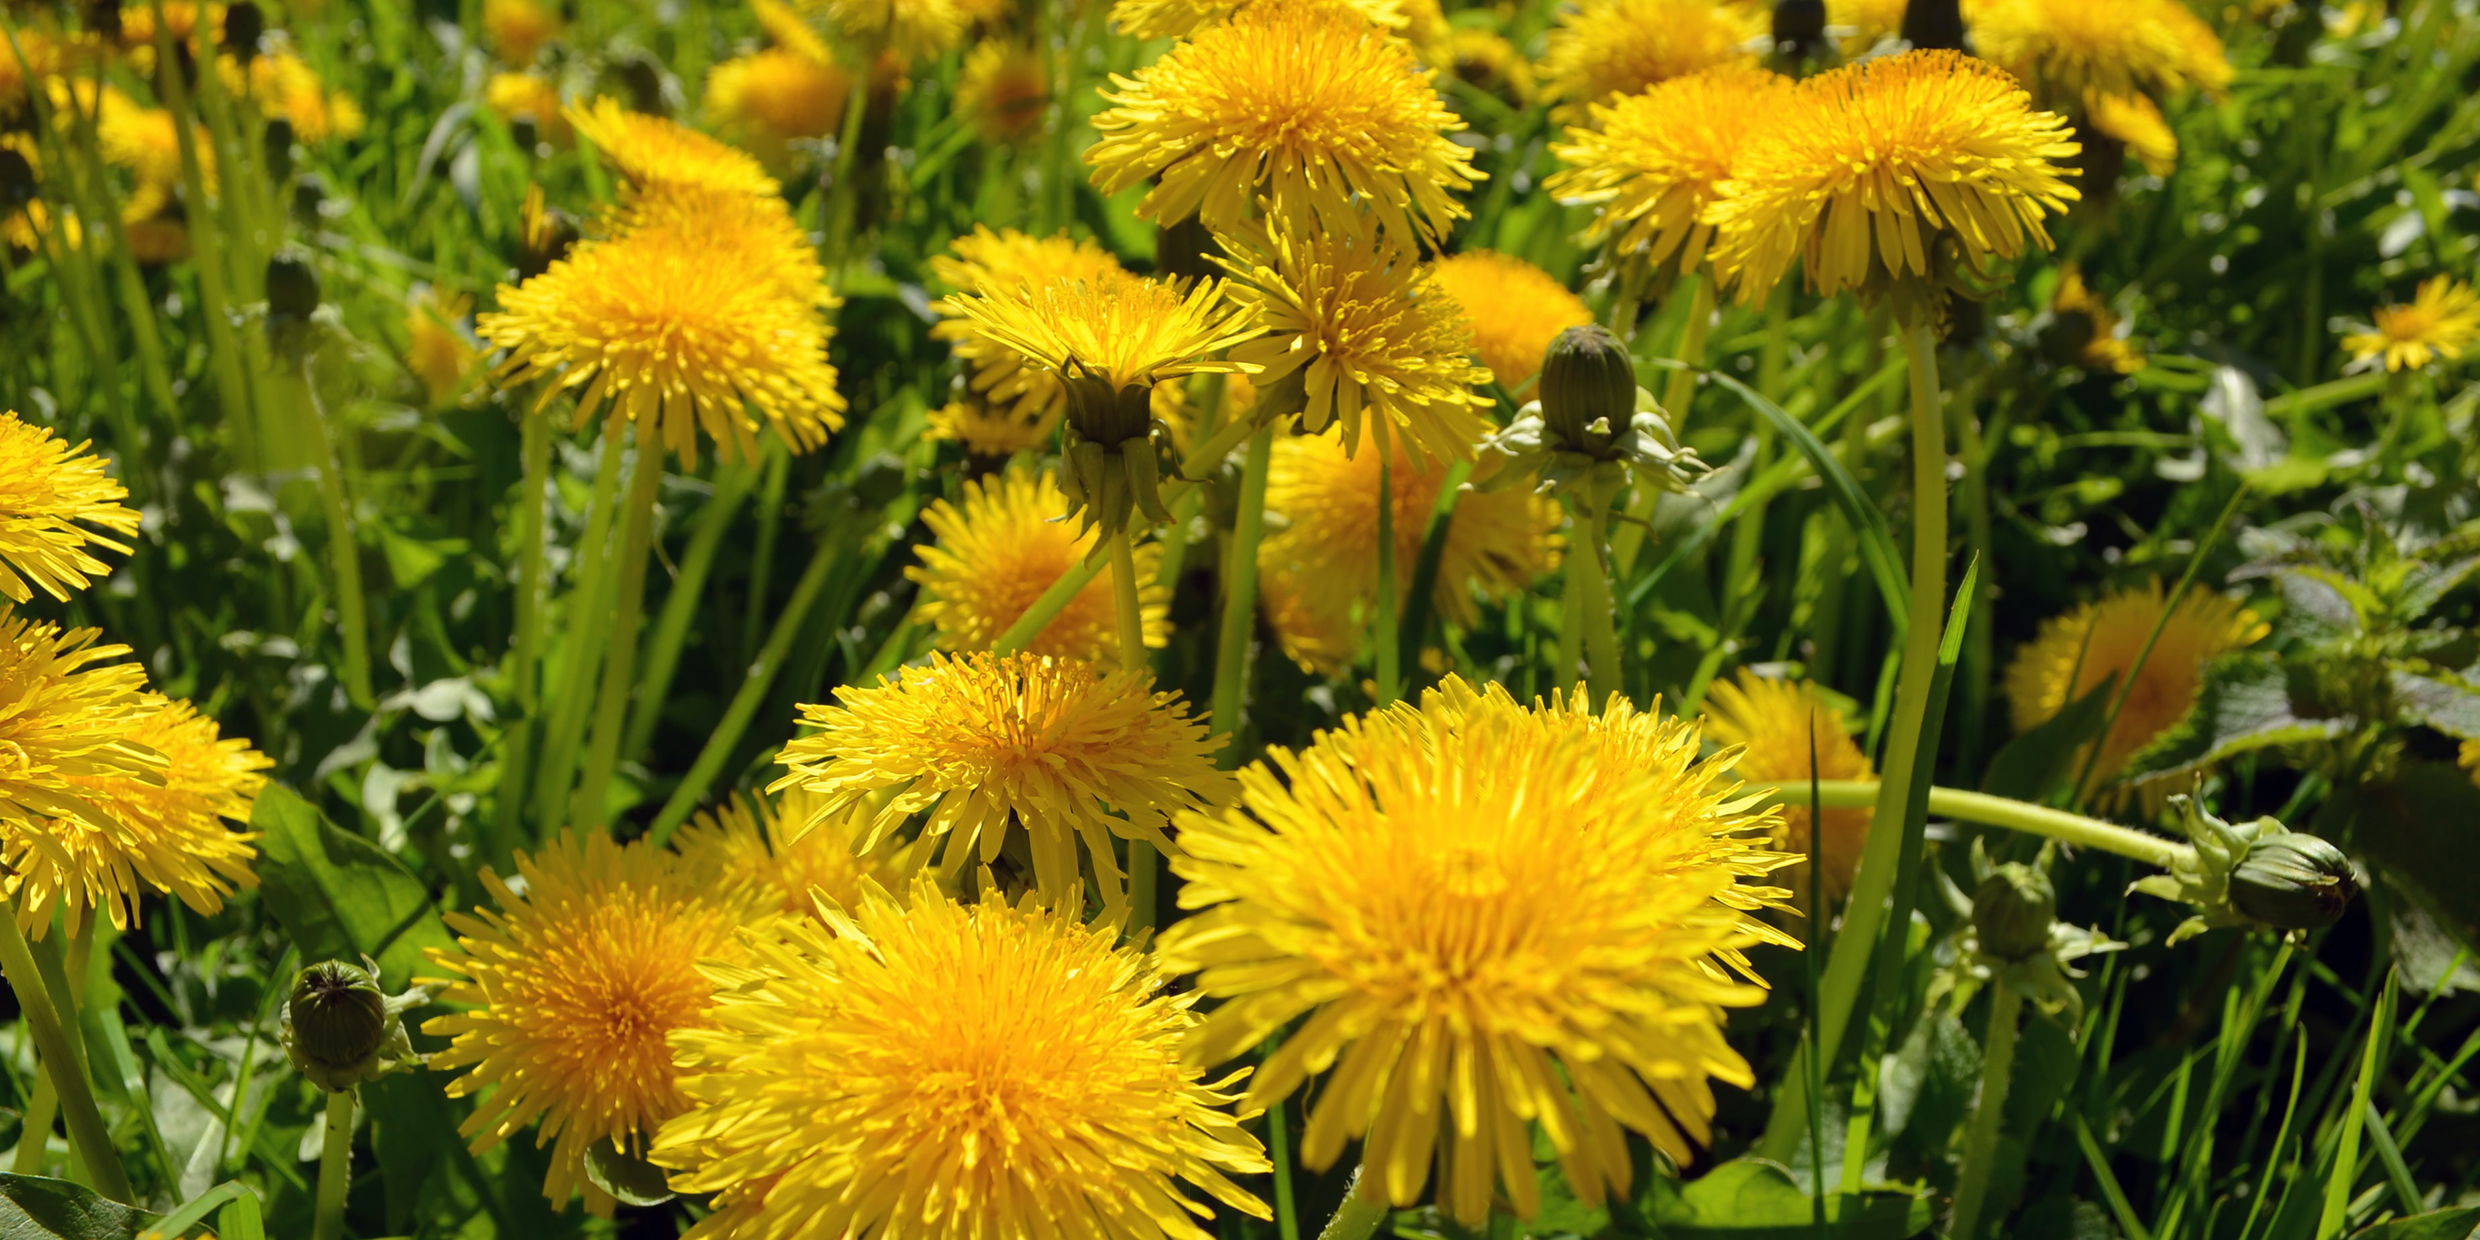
[[2012, 912], [310, 199], [278, 145], [2294, 881], [1105, 414], [335, 1023], [1799, 26], [1588, 389], [16, 180], [244, 23], [292, 286]]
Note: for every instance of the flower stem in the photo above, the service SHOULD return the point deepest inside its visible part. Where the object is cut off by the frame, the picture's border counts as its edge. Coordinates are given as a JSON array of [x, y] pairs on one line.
[[586, 602], [1981, 1146], [1388, 613], [526, 649], [1141, 858], [1993, 811], [671, 627], [1279, 1152], [335, 1168], [62, 1063], [843, 196], [1363, 1208], [1231, 653], [1681, 387], [620, 655], [1601, 637], [343, 548], [35, 1133]]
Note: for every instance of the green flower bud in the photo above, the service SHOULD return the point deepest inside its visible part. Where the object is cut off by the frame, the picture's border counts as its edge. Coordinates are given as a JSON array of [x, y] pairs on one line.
[[1588, 389], [2293, 881], [336, 1023], [2012, 912], [292, 286], [1105, 415]]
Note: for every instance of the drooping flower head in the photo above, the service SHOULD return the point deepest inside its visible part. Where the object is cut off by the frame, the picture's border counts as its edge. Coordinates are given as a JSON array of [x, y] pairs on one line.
[[936, 1070], [771, 856], [1000, 548], [574, 984], [1300, 101], [1002, 91], [437, 351], [55, 502], [2064, 49], [982, 261], [1354, 316], [1774, 723], [1617, 47], [1514, 308], [1482, 922], [519, 28], [2442, 320], [2098, 642], [647, 149], [1650, 162], [771, 98], [909, 30], [979, 741], [1903, 176]]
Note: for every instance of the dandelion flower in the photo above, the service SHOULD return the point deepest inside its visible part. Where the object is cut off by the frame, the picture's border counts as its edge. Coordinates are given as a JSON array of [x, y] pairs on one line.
[[1773, 723], [2064, 49], [984, 260], [573, 987], [519, 28], [2089, 330], [65, 715], [1649, 163], [771, 98], [989, 431], [1515, 310], [768, 860], [1178, 19], [2441, 321], [1870, 168], [436, 349], [2137, 122], [676, 326], [761, 231], [649, 148], [51, 493], [2075, 653], [788, 30], [981, 740], [512, 96], [1481, 925], [36, 56], [146, 141], [1867, 22], [1366, 327], [1301, 101], [1002, 91], [1618, 47], [1000, 548], [909, 30], [1320, 568], [285, 85], [937, 1070]]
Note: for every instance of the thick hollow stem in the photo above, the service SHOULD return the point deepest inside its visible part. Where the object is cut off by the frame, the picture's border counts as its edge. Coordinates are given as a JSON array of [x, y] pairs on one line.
[[1981, 1146], [1363, 1209], [35, 1133], [335, 1168], [62, 1063], [620, 656], [343, 548], [1127, 609], [525, 652], [1388, 614], [1681, 387], [680, 604], [587, 602], [1993, 811], [1601, 635], [1231, 652]]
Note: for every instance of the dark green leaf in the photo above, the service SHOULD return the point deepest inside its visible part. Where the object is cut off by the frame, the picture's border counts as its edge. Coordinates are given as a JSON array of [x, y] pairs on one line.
[[341, 896], [2414, 829], [2449, 708], [1753, 1199], [2461, 1223], [2321, 603], [2037, 763], [629, 1179], [35, 1208], [2246, 703]]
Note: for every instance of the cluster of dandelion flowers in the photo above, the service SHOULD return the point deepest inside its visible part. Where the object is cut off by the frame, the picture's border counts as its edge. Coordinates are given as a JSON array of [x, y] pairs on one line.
[[1615, 47], [999, 547], [2442, 320], [771, 98], [1367, 329], [2075, 653], [937, 1070], [1773, 725], [166, 830], [1300, 100], [1870, 169], [1473, 941], [2066, 49], [572, 987], [1649, 163], [649, 149], [1319, 565], [56, 501], [983, 260], [1002, 91], [1513, 308], [774, 858], [977, 741]]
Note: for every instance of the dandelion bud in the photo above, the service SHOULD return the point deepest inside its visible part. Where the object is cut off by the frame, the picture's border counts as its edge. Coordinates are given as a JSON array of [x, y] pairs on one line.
[[310, 200], [2012, 912], [16, 180], [1588, 388], [244, 23], [336, 1022], [278, 145], [1800, 26], [292, 286], [2294, 881], [1106, 415]]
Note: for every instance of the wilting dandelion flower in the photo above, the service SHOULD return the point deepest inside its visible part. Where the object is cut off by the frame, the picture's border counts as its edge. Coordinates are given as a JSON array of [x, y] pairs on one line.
[[1002, 91], [436, 349], [55, 502], [2087, 329], [1301, 101], [770, 98], [769, 859], [2136, 121], [2063, 49], [1774, 724], [648, 149], [937, 1070], [1649, 163], [1000, 548], [1873, 169], [519, 28], [909, 30], [1514, 308], [530, 97], [573, 987], [2441, 321], [1482, 924], [2075, 653], [1363, 324], [979, 741], [1615, 47], [983, 260]]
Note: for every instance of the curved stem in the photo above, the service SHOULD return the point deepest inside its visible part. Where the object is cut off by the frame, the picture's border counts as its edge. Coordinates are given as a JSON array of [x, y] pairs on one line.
[[620, 656], [1231, 654], [335, 1168], [1601, 637], [1981, 1146], [1388, 614], [1993, 811], [1363, 1208], [62, 1064]]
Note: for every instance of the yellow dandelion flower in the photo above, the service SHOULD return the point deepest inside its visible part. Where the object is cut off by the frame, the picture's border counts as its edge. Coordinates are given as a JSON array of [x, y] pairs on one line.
[[146, 141], [978, 741], [788, 30], [51, 491], [1130, 332], [1866, 23], [170, 836], [2097, 642], [648, 149], [1002, 91], [37, 56], [65, 716], [2136, 121], [1000, 548], [988, 430], [1319, 569], [1618, 47], [938, 1070], [1365, 325], [760, 228], [519, 28], [676, 323], [437, 351], [1869, 168], [1515, 310], [2084, 317], [181, 20], [1178, 19], [1483, 925], [1486, 59], [984, 260], [909, 30], [532, 97], [573, 986], [769, 860], [1650, 163], [2064, 49], [770, 98], [285, 85], [1772, 723], [2441, 321], [1303, 102]]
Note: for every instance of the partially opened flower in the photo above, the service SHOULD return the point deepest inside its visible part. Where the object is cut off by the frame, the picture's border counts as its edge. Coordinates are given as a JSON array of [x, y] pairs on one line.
[[1650, 162], [1300, 101], [1616, 47], [930, 1069], [1002, 90], [1514, 308], [983, 260], [999, 548], [773, 856], [648, 149], [1481, 922], [771, 98], [437, 350], [2063, 49], [909, 30], [2097, 642], [65, 723], [2442, 320], [519, 28], [571, 989], [55, 502], [1776, 726]]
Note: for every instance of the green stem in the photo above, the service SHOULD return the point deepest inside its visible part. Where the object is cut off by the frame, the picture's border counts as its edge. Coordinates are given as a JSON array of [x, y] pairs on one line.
[[557, 759], [842, 196], [207, 243], [526, 651], [1570, 653], [1279, 1152], [1981, 1147], [1231, 653], [335, 1168], [1681, 387], [1142, 862], [63, 1064], [1388, 614], [35, 1133], [620, 654], [1628, 300], [762, 559], [1363, 1208], [343, 547], [1980, 644], [1601, 637], [671, 628], [1994, 811]]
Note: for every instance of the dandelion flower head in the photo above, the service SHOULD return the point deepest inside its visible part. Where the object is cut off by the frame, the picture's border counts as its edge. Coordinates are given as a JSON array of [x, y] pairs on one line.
[[1773, 723], [519, 28], [770, 98], [56, 501], [759, 231], [909, 30], [2063, 49], [1003, 90], [1178, 19], [771, 856], [2084, 316], [984, 260], [787, 29], [1514, 308], [1000, 547], [532, 97], [65, 720], [2075, 653], [1649, 162], [2442, 320], [2136, 121], [1127, 332], [1615, 47], [285, 85], [647, 149]]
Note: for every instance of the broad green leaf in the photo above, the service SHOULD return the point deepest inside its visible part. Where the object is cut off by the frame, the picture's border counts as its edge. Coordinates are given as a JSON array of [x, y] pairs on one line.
[[341, 896], [35, 1208], [2327, 599], [2415, 830], [2245, 703], [2449, 708], [2460, 1223], [1754, 1199], [2428, 585], [629, 1179]]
